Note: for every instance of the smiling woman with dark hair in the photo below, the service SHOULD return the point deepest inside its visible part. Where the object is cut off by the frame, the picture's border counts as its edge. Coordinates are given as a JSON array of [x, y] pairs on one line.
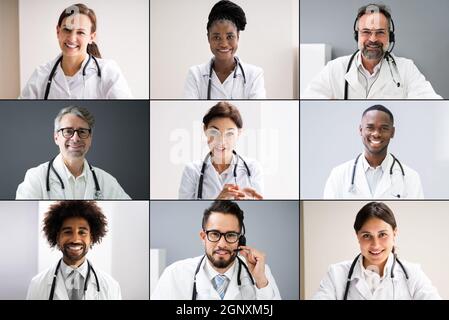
[[78, 72], [376, 273], [225, 76]]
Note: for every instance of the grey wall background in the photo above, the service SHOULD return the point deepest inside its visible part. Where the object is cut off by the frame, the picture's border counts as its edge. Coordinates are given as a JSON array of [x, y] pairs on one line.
[[120, 142], [18, 246], [271, 226], [421, 32], [329, 136]]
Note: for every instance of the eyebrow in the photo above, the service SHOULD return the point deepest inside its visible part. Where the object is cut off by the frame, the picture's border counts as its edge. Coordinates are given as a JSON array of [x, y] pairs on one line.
[[364, 232], [70, 228], [82, 29]]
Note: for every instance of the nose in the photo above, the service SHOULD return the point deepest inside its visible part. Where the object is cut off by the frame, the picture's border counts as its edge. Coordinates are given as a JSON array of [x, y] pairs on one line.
[[376, 133], [375, 242], [373, 36], [222, 242]]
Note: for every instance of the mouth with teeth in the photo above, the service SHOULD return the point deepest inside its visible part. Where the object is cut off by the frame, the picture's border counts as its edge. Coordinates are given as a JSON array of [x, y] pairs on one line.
[[376, 253], [74, 250], [70, 45]]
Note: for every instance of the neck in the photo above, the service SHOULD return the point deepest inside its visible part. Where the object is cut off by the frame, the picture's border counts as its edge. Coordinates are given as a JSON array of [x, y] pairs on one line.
[[369, 64], [380, 266], [222, 163], [221, 270], [224, 66], [75, 166], [72, 263], [71, 65], [375, 160]]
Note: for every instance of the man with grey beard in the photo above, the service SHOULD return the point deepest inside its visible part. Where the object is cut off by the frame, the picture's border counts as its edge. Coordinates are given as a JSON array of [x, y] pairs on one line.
[[228, 270], [372, 72]]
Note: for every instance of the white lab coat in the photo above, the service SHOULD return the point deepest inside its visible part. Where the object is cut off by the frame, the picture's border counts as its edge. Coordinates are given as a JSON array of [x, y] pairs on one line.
[[34, 185], [111, 85], [176, 283], [417, 287], [232, 88], [40, 286], [339, 182], [213, 183], [330, 82]]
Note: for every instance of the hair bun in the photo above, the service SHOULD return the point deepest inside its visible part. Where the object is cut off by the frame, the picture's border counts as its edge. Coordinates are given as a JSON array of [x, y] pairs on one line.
[[225, 9]]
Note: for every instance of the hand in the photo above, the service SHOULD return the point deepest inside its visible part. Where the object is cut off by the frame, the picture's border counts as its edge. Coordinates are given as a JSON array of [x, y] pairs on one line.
[[252, 194], [231, 191], [256, 265]]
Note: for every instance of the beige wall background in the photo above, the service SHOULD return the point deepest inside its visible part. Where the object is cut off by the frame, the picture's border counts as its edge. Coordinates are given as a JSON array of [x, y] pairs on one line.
[[9, 38], [329, 237], [179, 41]]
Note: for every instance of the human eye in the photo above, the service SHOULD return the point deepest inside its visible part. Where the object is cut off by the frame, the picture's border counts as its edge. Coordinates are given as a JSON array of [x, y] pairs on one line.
[[383, 235], [214, 235], [380, 33], [232, 236], [68, 131], [366, 236], [231, 36]]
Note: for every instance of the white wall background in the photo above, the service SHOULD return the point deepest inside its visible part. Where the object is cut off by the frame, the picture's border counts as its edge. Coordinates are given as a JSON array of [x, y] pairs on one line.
[[123, 252], [179, 41], [122, 35], [329, 136], [270, 135], [18, 248], [329, 238]]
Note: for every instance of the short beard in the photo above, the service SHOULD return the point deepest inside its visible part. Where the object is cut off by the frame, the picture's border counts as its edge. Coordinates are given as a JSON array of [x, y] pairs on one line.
[[221, 263], [373, 55]]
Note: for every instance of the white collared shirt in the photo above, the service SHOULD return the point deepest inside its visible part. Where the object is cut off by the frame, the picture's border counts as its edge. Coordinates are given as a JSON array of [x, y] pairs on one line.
[[212, 273], [71, 278], [77, 184], [374, 175], [197, 83], [365, 77], [372, 277], [213, 182]]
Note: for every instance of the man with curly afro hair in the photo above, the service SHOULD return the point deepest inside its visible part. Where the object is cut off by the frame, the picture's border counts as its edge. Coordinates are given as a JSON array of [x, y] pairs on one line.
[[74, 227]]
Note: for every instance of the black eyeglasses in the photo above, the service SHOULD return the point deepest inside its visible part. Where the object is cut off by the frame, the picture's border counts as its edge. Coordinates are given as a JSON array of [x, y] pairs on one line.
[[215, 236], [83, 133]]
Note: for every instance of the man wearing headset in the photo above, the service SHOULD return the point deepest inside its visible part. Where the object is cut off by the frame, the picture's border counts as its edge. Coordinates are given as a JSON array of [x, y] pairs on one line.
[[372, 72], [375, 173], [74, 227], [69, 175], [229, 269]]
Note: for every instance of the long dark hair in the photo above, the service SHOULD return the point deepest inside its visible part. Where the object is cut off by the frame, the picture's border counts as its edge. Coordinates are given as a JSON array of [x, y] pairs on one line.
[[83, 9]]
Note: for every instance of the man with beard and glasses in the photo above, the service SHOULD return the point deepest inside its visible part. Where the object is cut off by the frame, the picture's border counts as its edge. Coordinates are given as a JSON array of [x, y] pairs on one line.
[[74, 227], [228, 270], [69, 175], [375, 173], [372, 72]]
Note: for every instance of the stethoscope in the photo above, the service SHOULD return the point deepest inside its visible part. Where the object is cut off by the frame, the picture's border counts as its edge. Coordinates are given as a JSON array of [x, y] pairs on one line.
[[238, 65], [203, 169], [387, 57], [239, 272], [89, 268], [53, 71], [395, 160], [98, 194], [351, 271]]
